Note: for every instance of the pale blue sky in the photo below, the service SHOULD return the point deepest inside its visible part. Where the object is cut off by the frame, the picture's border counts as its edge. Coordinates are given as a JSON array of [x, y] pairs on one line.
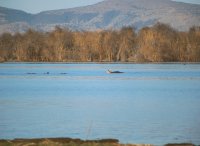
[[189, 1], [36, 6]]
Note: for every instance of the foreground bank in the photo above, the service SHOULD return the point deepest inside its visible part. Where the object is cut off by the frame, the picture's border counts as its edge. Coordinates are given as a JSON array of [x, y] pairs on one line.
[[72, 142]]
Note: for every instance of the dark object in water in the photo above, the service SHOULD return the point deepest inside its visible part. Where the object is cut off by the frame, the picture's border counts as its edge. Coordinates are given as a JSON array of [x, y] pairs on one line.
[[31, 73], [63, 73], [180, 144], [46, 73], [111, 72]]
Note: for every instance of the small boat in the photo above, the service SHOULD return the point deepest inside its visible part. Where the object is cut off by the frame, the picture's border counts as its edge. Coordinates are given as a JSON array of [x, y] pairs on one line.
[[111, 72]]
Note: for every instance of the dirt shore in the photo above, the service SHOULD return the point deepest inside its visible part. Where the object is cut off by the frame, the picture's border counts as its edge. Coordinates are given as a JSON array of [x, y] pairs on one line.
[[71, 142], [64, 142]]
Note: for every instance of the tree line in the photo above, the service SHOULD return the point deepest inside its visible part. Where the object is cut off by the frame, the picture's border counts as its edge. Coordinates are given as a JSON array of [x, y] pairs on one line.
[[159, 43]]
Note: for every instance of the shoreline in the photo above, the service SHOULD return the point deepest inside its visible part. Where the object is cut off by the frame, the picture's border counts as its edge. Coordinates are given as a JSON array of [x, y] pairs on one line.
[[73, 142], [13, 62], [64, 142]]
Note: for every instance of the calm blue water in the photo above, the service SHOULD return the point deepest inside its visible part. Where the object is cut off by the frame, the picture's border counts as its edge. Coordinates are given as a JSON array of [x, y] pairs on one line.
[[149, 103]]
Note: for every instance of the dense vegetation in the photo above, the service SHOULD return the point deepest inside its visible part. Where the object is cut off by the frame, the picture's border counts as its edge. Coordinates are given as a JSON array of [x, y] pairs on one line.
[[159, 43]]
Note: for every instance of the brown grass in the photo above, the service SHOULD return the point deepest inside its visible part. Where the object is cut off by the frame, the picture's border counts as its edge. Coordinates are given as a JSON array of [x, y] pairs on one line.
[[72, 142], [64, 142]]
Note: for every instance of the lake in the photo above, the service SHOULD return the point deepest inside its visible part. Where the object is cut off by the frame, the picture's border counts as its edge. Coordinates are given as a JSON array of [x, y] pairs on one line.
[[148, 103]]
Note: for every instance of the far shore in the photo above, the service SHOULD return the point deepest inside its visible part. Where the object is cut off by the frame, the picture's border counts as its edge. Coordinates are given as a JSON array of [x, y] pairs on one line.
[[89, 62], [73, 142]]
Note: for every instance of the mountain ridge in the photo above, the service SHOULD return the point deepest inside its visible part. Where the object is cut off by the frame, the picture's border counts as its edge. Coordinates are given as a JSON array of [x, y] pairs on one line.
[[104, 15]]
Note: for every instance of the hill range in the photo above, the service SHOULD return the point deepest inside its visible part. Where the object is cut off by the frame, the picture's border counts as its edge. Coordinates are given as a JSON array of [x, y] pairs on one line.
[[109, 14]]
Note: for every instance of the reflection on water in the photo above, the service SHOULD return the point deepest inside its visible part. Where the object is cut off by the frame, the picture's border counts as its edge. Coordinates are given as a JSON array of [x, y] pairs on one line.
[[149, 103]]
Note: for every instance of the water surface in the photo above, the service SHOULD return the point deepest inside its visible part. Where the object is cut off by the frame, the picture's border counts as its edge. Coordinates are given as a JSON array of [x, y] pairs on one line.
[[149, 103]]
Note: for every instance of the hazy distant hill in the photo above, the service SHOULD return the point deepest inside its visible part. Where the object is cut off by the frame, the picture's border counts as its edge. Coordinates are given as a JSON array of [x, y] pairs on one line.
[[107, 14]]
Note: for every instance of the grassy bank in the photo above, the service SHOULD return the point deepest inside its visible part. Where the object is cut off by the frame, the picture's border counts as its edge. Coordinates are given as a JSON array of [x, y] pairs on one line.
[[64, 142], [71, 142]]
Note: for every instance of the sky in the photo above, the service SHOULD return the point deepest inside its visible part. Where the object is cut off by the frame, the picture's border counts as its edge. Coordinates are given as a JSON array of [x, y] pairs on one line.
[[189, 1], [36, 6]]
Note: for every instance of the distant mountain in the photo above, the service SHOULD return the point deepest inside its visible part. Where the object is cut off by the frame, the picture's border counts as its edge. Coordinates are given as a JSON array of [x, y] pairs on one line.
[[104, 15]]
